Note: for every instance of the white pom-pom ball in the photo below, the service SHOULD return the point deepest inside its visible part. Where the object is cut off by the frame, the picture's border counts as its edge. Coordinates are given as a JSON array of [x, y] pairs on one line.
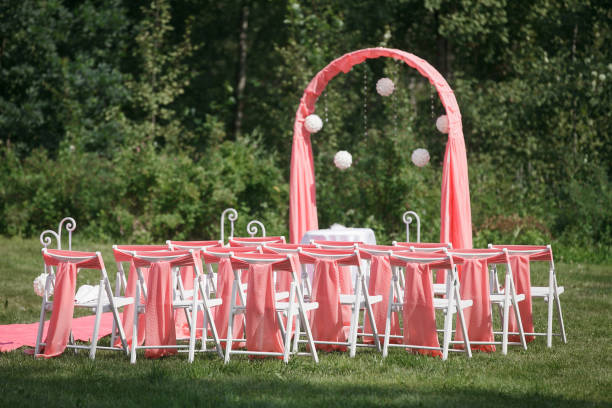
[[420, 157], [313, 123], [385, 86], [343, 160], [442, 124], [39, 284]]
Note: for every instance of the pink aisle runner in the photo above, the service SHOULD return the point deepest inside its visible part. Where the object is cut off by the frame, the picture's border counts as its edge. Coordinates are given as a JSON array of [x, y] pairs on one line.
[[13, 336]]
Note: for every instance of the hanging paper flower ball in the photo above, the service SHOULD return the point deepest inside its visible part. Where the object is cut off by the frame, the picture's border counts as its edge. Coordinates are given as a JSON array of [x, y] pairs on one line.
[[420, 157], [313, 123], [343, 160], [385, 86], [442, 124], [39, 284]]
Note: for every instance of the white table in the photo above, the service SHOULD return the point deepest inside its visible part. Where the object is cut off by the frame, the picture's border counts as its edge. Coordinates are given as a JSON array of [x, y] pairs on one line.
[[365, 235]]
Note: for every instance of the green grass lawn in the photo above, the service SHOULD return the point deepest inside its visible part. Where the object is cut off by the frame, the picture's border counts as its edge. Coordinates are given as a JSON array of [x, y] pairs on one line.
[[573, 374]]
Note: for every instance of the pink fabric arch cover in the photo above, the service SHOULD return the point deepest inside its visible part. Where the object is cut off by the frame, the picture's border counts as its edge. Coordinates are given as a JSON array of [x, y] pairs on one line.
[[455, 212]]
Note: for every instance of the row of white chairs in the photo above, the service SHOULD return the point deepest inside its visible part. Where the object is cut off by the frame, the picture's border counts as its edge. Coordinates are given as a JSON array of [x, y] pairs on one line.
[[201, 297]]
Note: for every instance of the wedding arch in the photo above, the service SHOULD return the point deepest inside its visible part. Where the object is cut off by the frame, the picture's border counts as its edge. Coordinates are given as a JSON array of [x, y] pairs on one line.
[[455, 212]]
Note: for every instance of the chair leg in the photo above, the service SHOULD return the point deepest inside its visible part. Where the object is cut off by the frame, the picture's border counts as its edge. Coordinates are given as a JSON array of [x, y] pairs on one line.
[[117, 326], [287, 342], [370, 313], [560, 314], [94, 339], [448, 327], [305, 322], [135, 325], [517, 315], [505, 319], [551, 296], [230, 323], [385, 350], [41, 325], [194, 318]]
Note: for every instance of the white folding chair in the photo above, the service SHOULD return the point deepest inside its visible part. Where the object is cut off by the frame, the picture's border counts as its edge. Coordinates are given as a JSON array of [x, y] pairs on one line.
[[552, 291], [359, 300], [198, 246], [452, 302], [105, 301], [279, 248], [199, 301], [294, 306], [503, 300]]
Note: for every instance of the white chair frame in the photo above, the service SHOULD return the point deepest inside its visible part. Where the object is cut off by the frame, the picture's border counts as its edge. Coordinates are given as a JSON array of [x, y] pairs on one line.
[[100, 305]]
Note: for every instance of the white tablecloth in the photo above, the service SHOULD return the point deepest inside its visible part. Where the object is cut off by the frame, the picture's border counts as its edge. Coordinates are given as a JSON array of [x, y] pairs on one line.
[[365, 235]]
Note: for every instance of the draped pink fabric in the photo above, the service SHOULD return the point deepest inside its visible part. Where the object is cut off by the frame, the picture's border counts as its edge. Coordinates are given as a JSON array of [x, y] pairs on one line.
[[262, 328], [455, 213], [180, 319], [419, 314], [522, 281], [63, 310], [380, 283], [225, 280], [159, 316], [478, 319], [330, 322], [128, 310]]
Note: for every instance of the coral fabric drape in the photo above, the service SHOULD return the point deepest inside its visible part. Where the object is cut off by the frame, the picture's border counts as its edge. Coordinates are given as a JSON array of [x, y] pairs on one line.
[[128, 310], [159, 317], [262, 327], [522, 280], [331, 321], [455, 212], [380, 282], [63, 310], [419, 314], [225, 280], [475, 286]]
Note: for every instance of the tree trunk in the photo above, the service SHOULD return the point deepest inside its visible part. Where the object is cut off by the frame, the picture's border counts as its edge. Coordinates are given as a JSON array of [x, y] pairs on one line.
[[244, 25]]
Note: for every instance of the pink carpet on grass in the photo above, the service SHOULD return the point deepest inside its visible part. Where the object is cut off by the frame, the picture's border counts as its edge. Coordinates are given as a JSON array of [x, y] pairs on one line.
[[13, 336]]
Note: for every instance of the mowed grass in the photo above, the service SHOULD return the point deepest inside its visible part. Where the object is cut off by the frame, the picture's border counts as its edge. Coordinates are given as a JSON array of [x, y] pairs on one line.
[[573, 374]]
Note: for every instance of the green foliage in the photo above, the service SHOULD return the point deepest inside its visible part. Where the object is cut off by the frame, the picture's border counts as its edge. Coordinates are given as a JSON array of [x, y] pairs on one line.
[[122, 115]]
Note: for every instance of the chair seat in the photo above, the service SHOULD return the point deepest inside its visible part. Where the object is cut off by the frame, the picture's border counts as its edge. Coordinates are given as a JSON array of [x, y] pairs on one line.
[[284, 306], [439, 288], [120, 301], [440, 304], [443, 304], [187, 303], [499, 297], [350, 299], [542, 291]]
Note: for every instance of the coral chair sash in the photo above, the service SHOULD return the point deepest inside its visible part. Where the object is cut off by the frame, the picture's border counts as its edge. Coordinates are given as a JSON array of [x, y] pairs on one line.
[[475, 285], [522, 280], [128, 310], [380, 282], [262, 327], [419, 314], [159, 316], [63, 309], [330, 321], [225, 280]]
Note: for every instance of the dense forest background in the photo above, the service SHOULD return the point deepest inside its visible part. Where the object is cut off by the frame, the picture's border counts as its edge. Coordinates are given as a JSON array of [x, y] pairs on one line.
[[144, 120]]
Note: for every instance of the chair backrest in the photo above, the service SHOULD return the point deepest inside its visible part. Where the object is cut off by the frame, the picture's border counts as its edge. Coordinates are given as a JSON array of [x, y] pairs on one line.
[[347, 245], [233, 216], [341, 257], [179, 245], [424, 246], [281, 248], [535, 252], [255, 241]]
